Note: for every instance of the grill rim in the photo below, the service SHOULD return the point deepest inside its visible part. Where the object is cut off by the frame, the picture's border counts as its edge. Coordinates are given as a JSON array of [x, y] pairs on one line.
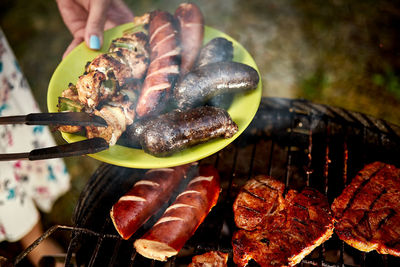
[[297, 109]]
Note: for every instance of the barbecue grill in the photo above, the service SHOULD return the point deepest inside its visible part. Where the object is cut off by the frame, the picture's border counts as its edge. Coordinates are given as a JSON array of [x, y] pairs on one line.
[[295, 141]]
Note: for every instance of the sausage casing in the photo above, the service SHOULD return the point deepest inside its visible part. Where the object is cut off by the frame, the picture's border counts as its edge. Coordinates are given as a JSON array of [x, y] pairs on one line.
[[144, 199], [191, 24], [177, 130], [164, 64], [217, 50], [203, 83], [179, 222]]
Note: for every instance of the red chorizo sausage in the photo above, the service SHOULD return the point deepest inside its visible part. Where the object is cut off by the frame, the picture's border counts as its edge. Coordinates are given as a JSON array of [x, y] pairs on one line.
[[164, 64], [145, 198], [191, 22], [182, 218]]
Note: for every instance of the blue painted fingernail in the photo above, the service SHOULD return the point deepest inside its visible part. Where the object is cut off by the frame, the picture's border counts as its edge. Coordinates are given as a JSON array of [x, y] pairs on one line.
[[94, 42]]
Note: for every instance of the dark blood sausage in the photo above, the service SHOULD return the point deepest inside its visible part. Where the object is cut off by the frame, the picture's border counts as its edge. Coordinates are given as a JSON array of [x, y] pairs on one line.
[[203, 83], [191, 24], [164, 64], [217, 50], [177, 130], [144, 199], [182, 218]]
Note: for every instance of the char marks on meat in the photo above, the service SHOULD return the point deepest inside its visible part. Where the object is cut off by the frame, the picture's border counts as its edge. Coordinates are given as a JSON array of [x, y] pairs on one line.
[[164, 64], [259, 198], [132, 50], [145, 198], [210, 259], [288, 235], [182, 218], [368, 210]]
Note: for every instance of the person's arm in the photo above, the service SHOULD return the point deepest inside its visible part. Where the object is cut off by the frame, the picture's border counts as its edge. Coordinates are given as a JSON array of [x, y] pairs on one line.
[[87, 19]]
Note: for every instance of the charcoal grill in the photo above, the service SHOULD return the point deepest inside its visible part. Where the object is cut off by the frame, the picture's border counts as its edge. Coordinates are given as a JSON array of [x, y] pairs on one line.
[[296, 141]]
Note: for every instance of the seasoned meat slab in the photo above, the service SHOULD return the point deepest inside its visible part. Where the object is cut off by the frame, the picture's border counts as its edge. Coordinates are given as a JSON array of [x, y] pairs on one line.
[[368, 210], [261, 197], [288, 235], [210, 259]]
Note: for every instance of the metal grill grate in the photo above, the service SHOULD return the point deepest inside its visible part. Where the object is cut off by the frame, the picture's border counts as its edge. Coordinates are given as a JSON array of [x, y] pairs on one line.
[[295, 141]]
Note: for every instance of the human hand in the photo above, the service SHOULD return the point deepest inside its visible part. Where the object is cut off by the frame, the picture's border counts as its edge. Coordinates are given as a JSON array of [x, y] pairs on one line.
[[87, 19]]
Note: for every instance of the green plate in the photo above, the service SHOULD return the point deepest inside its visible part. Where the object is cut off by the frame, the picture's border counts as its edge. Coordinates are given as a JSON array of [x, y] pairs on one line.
[[242, 110]]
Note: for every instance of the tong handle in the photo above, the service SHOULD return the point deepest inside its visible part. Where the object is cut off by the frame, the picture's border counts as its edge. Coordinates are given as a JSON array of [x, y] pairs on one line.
[[89, 146]]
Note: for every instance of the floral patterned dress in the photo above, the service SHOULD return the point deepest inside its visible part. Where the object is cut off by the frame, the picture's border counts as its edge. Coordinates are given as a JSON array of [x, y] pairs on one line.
[[24, 185]]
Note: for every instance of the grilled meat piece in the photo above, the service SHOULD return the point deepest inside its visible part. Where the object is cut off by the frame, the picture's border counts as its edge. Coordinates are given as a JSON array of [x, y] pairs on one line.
[[95, 87], [110, 64], [164, 64], [133, 50], [69, 101], [217, 50], [191, 22], [181, 220], [71, 92], [258, 199], [177, 130], [116, 120], [145, 198], [368, 210], [203, 83], [287, 236], [210, 259]]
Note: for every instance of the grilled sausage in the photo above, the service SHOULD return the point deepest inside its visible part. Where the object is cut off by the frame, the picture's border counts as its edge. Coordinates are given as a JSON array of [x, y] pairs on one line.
[[217, 50], [164, 64], [182, 218], [191, 24], [177, 130], [203, 83], [144, 199]]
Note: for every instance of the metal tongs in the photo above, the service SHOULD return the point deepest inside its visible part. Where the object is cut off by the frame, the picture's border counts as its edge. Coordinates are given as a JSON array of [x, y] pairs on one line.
[[79, 148]]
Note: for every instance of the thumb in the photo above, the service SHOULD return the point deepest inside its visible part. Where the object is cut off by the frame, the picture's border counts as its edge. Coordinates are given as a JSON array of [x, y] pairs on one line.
[[95, 23]]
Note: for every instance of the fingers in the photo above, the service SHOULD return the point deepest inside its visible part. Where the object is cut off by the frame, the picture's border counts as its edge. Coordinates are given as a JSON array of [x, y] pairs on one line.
[[119, 13], [72, 45], [95, 23]]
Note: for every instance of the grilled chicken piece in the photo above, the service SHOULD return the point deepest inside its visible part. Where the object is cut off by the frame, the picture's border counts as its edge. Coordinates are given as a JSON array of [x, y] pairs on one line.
[[288, 235], [368, 210], [210, 259], [133, 50], [111, 64], [261, 197], [95, 87], [107, 73], [71, 92], [69, 101], [116, 120]]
